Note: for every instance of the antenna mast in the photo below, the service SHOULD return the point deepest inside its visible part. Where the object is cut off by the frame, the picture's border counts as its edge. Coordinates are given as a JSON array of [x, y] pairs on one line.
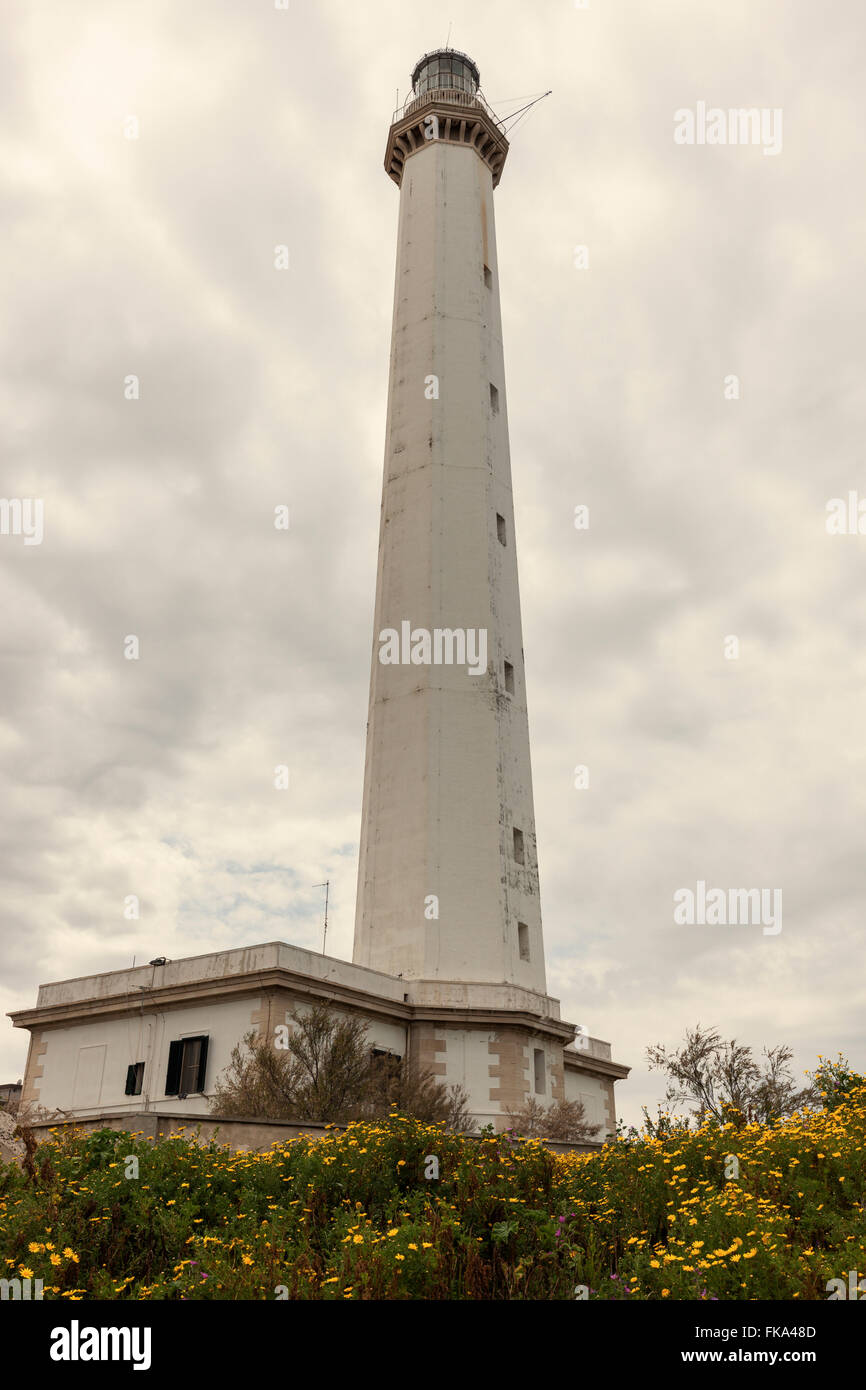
[[327, 887]]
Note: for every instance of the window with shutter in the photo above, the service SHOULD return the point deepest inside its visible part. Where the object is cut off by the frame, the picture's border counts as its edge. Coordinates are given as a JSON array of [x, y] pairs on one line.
[[172, 1075], [202, 1066], [187, 1066], [134, 1079]]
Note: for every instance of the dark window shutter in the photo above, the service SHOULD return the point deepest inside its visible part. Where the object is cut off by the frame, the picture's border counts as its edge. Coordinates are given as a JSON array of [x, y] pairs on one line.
[[172, 1075], [202, 1066], [130, 1081]]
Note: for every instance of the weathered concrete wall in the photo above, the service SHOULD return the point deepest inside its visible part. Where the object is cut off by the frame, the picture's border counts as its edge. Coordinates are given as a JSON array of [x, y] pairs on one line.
[[82, 1065], [593, 1092], [257, 1136]]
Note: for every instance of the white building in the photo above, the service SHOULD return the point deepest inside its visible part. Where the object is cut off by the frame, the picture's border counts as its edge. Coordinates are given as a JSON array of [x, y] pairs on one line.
[[449, 953], [156, 1037]]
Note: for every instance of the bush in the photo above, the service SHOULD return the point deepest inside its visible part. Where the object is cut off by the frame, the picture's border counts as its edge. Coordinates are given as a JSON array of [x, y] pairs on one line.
[[324, 1070], [565, 1120]]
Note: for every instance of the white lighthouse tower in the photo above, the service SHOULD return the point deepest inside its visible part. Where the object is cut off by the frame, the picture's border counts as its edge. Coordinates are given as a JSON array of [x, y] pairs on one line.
[[448, 885], [448, 891]]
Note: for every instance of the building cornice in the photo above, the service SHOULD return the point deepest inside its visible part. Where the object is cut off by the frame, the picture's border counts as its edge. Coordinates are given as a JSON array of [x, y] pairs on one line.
[[461, 120], [585, 1062], [196, 991], [491, 1017], [281, 979]]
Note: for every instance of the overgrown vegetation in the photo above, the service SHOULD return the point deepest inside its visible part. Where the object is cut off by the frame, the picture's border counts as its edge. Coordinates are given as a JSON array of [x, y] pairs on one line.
[[722, 1211]]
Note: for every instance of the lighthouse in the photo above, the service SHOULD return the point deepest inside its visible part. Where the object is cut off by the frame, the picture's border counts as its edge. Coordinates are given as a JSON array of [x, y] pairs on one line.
[[448, 888], [448, 880]]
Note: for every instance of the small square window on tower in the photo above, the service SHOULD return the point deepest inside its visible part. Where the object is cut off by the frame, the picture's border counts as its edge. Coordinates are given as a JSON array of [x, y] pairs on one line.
[[501, 533], [509, 678], [494, 399], [488, 278], [518, 846], [523, 940], [538, 1067]]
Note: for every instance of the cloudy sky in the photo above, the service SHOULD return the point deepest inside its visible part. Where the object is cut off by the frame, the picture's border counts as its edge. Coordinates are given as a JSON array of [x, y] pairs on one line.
[[154, 257]]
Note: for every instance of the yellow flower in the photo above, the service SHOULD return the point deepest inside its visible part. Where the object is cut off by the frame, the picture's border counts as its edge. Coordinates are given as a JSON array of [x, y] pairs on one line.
[[55, 1259], [358, 1240], [399, 1257], [247, 1259], [654, 1264]]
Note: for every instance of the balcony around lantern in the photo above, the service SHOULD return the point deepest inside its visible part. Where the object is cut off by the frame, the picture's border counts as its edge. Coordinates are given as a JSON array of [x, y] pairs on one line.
[[449, 95]]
